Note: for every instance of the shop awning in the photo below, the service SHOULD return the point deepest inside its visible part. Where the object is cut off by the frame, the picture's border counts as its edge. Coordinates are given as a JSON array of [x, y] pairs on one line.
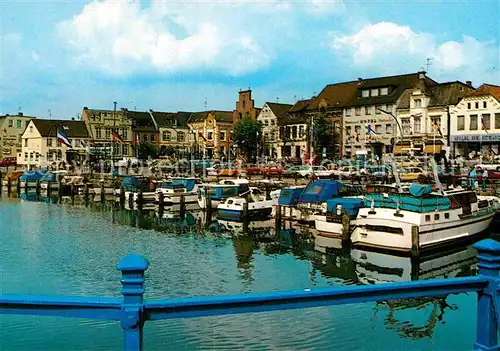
[[433, 149], [403, 149]]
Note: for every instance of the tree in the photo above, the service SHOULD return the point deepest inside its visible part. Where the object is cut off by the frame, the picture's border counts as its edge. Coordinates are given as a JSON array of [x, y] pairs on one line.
[[248, 136], [322, 134], [146, 150], [167, 150]]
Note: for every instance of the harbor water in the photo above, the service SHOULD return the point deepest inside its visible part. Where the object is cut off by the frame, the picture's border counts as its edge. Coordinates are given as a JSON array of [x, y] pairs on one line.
[[64, 249]]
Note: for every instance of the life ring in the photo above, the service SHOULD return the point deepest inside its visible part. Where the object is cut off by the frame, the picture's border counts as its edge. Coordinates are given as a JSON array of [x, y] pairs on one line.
[[151, 186]]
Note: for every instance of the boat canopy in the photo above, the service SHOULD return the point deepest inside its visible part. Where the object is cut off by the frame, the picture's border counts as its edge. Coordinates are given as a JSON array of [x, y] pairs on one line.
[[32, 175], [321, 190], [290, 196], [133, 183], [420, 190], [183, 183], [49, 177], [407, 202], [350, 206]]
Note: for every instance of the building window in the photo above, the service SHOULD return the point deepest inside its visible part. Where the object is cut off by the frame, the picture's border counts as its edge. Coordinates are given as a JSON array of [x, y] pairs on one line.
[[31, 129], [210, 135], [98, 133], [166, 136], [25, 155], [273, 136], [484, 104], [19, 124], [468, 106], [294, 132], [473, 122], [273, 122], [31, 156], [302, 131], [406, 126], [384, 91], [124, 150], [125, 134], [368, 110], [37, 156], [181, 136], [497, 120], [145, 137], [436, 217], [485, 121], [266, 122], [153, 137], [348, 130], [427, 218], [348, 111], [378, 128], [388, 128], [446, 216], [26, 142], [266, 136], [357, 111], [108, 133], [365, 93], [223, 136], [11, 123], [418, 103], [477, 104], [377, 109], [417, 124], [460, 122], [49, 142], [374, 92]]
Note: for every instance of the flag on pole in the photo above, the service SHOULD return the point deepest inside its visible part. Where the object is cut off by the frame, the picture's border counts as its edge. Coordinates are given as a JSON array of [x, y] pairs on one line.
[[200, 134], [117, 137], [436, 127], [356, 135], [370, 130], [63, 139], [484, 125]]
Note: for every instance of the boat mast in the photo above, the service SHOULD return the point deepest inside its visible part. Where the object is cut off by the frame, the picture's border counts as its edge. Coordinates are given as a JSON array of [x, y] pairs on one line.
[[436, 175]]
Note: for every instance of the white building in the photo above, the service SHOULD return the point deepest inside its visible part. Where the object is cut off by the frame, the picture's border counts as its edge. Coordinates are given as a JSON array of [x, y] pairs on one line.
[[270, 116], [475, 123], [423, 113], [40, 147]]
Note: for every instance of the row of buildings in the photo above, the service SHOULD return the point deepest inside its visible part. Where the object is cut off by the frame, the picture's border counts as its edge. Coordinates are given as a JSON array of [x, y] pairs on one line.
[[403, 114]]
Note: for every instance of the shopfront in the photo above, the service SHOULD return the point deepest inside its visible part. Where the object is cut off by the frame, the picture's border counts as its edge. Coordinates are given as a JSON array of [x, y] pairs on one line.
[[471, 146]]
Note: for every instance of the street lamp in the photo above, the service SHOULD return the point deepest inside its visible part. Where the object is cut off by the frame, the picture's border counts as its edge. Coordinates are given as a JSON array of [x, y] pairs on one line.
[[397, 122]]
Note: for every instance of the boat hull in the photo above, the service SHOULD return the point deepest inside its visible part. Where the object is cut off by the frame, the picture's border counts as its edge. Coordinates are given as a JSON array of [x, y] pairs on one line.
[[237, 215], [390, 235]]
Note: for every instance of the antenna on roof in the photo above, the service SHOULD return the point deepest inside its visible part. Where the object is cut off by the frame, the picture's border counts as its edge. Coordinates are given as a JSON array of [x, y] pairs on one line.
[[428, 63], [295, 98], [277, 99], [205, 103], [50, 113], [19, 109]]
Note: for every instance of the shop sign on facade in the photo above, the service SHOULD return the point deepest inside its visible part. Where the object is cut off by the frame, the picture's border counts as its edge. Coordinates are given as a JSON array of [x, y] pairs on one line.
[[475, 138]]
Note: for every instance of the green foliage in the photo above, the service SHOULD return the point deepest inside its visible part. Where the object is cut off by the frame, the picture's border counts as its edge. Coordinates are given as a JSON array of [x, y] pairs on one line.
[[147, 150], [167, 150], [323, 134], [248, 136]]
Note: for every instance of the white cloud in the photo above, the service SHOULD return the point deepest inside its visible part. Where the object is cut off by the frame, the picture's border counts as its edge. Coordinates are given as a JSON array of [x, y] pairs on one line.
[[387, 47], [230, 36]]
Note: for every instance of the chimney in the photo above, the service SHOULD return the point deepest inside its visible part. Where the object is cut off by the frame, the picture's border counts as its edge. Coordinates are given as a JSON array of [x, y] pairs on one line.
[[468, 83], [360, 79], [20, 114], [85, 108], [72, 118], [421, 75]]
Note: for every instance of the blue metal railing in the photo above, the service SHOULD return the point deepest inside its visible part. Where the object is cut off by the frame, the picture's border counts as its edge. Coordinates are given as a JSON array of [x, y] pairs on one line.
[[132, 311]]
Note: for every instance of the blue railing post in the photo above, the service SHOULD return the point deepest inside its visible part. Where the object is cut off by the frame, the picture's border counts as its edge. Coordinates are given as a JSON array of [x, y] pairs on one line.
[[488, 304], [132, 267]]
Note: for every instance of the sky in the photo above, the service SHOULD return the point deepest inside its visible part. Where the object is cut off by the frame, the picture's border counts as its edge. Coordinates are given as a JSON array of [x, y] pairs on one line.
[[58, 56]]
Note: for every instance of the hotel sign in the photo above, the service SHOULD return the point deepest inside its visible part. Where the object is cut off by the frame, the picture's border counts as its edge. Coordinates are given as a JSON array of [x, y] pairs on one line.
[[475, 138]]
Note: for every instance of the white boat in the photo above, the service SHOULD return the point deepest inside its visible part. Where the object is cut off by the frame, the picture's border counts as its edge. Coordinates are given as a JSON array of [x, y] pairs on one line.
[[232, 208], [217, 192], [235, 227], [53, 178], [422, 219], [173, 191]]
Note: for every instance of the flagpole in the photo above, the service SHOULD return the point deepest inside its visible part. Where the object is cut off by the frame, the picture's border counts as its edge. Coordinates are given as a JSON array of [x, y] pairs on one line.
[[112, 140], [434, 141]]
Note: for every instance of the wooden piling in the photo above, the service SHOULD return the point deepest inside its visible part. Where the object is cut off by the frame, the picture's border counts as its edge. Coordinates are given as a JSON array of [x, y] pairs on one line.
[[9, 186], [131, 200], [161, 204], [346, 230], [277, 220], [72, 193], [48, 189], [18, 187], [208, 200], [102, 192], [415, 241], [60, 188], [183, 207], [37, 189], [1, 182], [25, 187], [140, 200], [86, 192], [245, 217], [122, 197]]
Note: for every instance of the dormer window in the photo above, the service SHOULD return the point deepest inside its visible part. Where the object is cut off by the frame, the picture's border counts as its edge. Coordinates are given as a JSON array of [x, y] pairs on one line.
[[374, 92], [384, 91], [365, 93], [418, 102]]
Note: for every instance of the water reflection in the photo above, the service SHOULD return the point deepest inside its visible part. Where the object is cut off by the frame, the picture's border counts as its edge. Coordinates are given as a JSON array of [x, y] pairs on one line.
[[410, 318]]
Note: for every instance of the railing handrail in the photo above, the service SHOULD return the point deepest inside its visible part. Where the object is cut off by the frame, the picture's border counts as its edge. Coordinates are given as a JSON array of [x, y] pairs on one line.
[[133, 311]]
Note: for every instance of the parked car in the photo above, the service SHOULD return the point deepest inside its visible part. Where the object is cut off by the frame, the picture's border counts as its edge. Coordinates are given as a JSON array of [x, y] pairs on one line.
[[292, 171], [227, 170], [410, 174], [8, 161], [348, 171], [253, 170], [272, 171], [318, 171]]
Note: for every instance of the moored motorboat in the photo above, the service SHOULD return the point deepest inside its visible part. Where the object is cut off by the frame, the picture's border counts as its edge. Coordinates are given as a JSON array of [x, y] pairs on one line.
[[210, 195], [176, 188], [422, 219], [252, 205], [30, 179]]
